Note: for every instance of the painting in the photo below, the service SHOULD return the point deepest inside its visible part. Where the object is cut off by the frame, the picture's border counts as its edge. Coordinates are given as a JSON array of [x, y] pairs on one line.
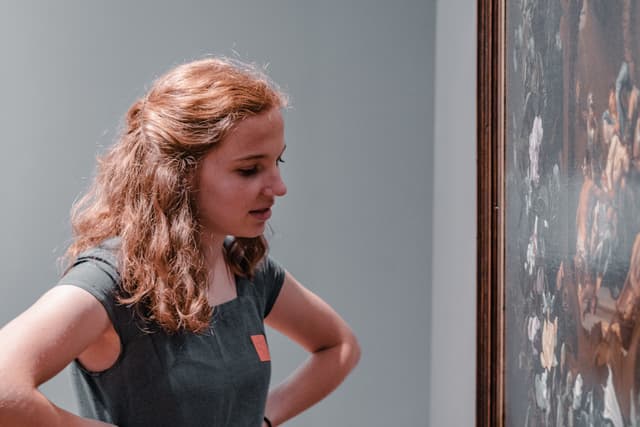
[[558, 213]]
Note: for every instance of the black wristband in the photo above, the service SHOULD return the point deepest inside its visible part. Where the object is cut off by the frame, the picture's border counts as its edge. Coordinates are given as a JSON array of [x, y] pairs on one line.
[[268, 421]]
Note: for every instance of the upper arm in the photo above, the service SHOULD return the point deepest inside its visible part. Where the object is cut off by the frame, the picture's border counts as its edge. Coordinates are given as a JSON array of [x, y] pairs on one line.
[[305, 318], [41, 341]]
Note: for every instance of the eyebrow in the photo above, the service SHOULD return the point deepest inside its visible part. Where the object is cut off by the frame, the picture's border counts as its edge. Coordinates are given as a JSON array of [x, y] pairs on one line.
[[258, 156]]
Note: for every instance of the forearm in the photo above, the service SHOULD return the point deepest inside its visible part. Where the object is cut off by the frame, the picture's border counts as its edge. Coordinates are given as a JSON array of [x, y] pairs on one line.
[[321, 373], [30, 408]]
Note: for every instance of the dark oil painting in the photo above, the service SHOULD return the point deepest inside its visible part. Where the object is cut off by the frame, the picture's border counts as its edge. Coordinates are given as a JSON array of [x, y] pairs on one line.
[[572, 213]]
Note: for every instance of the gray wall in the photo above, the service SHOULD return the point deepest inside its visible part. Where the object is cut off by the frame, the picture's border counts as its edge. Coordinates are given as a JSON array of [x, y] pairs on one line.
[[453, 294], [356, 224]]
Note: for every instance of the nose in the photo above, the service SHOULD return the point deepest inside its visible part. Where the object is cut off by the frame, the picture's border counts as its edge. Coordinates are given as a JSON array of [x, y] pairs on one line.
[[276, 187]]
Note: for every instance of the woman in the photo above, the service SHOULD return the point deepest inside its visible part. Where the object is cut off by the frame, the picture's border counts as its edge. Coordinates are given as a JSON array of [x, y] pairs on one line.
[[162, 307]]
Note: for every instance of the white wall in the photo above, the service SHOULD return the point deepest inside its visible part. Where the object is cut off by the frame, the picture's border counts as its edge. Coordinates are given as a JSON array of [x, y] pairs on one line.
[[453, 334], [355, 226]]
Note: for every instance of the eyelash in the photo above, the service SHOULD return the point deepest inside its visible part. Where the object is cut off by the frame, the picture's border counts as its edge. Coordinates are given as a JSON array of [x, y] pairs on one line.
[[254, 170]]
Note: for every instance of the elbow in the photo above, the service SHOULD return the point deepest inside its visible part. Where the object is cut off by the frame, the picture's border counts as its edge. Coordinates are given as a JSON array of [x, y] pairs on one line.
[[345, 351], [352, 350], [22, 408], [15, 398], [6, 391], [7, 402]]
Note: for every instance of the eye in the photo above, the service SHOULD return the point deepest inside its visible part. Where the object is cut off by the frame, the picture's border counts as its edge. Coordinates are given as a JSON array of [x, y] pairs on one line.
[[280, 160], [248, 172]]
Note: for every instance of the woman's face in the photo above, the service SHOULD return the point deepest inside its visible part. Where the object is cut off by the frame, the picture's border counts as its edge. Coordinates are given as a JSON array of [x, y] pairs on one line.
[[239, 180]]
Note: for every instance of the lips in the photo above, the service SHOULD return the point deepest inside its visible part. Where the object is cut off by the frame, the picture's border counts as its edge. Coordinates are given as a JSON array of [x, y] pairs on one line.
[[261, 214]]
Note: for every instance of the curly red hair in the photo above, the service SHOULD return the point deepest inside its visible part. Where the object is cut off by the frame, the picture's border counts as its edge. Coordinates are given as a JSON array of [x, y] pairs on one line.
[[143, 189]]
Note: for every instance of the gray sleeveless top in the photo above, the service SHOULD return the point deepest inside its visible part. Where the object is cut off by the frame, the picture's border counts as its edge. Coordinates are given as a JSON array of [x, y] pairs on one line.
[[213, 379]]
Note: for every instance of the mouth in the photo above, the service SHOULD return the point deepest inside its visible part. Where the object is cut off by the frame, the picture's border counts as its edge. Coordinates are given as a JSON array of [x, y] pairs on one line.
[[261, 214]]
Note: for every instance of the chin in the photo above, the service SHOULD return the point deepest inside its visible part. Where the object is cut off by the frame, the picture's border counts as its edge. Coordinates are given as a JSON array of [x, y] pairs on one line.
[[250, 234]]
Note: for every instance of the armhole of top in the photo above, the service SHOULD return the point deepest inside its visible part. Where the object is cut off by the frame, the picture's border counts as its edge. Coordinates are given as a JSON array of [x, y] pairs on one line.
[[89, 274], [273, 281], [115, 327]]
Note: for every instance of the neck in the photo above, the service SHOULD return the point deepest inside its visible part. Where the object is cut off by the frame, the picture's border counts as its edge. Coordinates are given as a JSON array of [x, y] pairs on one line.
[[220, 280], [212, 247]]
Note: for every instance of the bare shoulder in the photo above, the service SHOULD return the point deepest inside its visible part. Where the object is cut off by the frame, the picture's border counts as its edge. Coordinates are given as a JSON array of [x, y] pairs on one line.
[[61, 305], [57, 328]]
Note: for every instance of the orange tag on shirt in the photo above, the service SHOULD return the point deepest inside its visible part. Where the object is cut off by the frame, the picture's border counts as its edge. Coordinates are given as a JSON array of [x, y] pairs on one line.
[[261, 347]]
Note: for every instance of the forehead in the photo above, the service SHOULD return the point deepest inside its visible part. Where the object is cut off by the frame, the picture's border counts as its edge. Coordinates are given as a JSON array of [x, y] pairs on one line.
[[255, 135]]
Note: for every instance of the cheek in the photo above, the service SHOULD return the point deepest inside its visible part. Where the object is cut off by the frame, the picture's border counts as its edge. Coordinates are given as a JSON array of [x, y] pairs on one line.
[[233, 197], [234, 192], [227, 195]]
